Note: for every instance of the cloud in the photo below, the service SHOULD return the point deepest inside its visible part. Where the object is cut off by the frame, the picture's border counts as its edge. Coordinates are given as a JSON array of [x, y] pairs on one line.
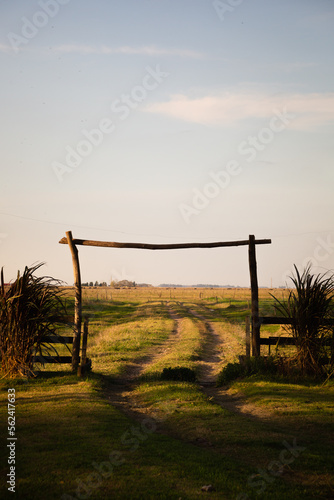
[[150, 50], [231, 108]]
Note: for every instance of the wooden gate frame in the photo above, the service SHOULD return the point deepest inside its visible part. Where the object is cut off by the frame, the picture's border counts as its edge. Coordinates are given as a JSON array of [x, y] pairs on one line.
[[251, 242]]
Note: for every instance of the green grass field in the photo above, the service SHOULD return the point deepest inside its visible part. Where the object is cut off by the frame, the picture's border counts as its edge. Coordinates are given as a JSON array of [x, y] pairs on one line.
[[122, 432]]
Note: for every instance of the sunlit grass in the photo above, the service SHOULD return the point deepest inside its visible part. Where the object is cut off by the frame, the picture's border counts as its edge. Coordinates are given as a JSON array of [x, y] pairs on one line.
[[309, 400], [117, 346], [66, 424], [183, 352]]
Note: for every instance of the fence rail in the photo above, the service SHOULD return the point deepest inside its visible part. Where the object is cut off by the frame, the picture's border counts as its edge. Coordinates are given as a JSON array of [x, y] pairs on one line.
[[280, 340], [84, 364], [52, 359], [275, 320]]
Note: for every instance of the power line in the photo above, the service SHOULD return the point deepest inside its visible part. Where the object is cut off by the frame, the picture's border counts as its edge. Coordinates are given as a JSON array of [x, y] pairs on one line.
[[67, 224], [44, 221], [302, 234]]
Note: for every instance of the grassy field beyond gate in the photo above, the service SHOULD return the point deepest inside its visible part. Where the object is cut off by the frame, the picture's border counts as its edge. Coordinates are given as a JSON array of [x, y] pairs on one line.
[[122, 432]]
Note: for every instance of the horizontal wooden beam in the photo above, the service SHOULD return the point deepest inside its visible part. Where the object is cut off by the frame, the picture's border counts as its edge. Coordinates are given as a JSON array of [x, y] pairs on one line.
[[280, 340], [275, 320], [54, 339], [52, 359], [170, 246], [285, 341]]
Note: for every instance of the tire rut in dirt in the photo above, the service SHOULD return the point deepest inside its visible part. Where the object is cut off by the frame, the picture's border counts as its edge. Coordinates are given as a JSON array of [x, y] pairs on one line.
[[211, 357], [134, 369], [119, 391]]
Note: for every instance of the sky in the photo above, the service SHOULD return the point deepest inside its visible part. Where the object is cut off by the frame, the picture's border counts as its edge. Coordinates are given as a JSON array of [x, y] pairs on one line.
[[167, 121]]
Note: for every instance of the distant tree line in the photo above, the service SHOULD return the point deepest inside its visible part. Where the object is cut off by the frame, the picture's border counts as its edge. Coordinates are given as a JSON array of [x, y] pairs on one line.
[[114, 284], [123, 284], [91, 283]]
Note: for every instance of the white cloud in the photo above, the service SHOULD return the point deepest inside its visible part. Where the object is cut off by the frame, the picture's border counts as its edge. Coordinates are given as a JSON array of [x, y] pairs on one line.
[[149, 50], [230, 108], [128, 50]]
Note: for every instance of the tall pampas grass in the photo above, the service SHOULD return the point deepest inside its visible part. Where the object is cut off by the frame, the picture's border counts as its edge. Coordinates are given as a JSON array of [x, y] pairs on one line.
[[31, 308], [310, 304]]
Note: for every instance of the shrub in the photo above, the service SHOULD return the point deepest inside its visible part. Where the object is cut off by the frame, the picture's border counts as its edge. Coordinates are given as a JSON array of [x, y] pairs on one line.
[[180, 373], [310, 306], [30, 309], [230, 372], [248, 366]]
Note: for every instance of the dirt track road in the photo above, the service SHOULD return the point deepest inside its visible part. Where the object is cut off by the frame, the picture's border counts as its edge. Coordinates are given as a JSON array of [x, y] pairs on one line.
[[220, 341]]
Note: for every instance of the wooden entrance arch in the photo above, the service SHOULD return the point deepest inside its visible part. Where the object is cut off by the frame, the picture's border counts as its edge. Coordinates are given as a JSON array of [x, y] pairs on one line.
[[251, 242]]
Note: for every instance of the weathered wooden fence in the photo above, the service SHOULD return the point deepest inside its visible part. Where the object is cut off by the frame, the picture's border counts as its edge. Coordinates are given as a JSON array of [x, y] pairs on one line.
[[278, 340], [83, 363]]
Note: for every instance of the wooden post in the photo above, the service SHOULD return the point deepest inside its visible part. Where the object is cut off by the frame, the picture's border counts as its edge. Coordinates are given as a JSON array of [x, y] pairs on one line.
[[251, 242], [77, 303], [247, 337], [81, 366], [255, 297]]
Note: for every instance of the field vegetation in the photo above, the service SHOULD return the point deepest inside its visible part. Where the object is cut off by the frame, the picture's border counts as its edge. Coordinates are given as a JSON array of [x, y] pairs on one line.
[[125, 430]]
